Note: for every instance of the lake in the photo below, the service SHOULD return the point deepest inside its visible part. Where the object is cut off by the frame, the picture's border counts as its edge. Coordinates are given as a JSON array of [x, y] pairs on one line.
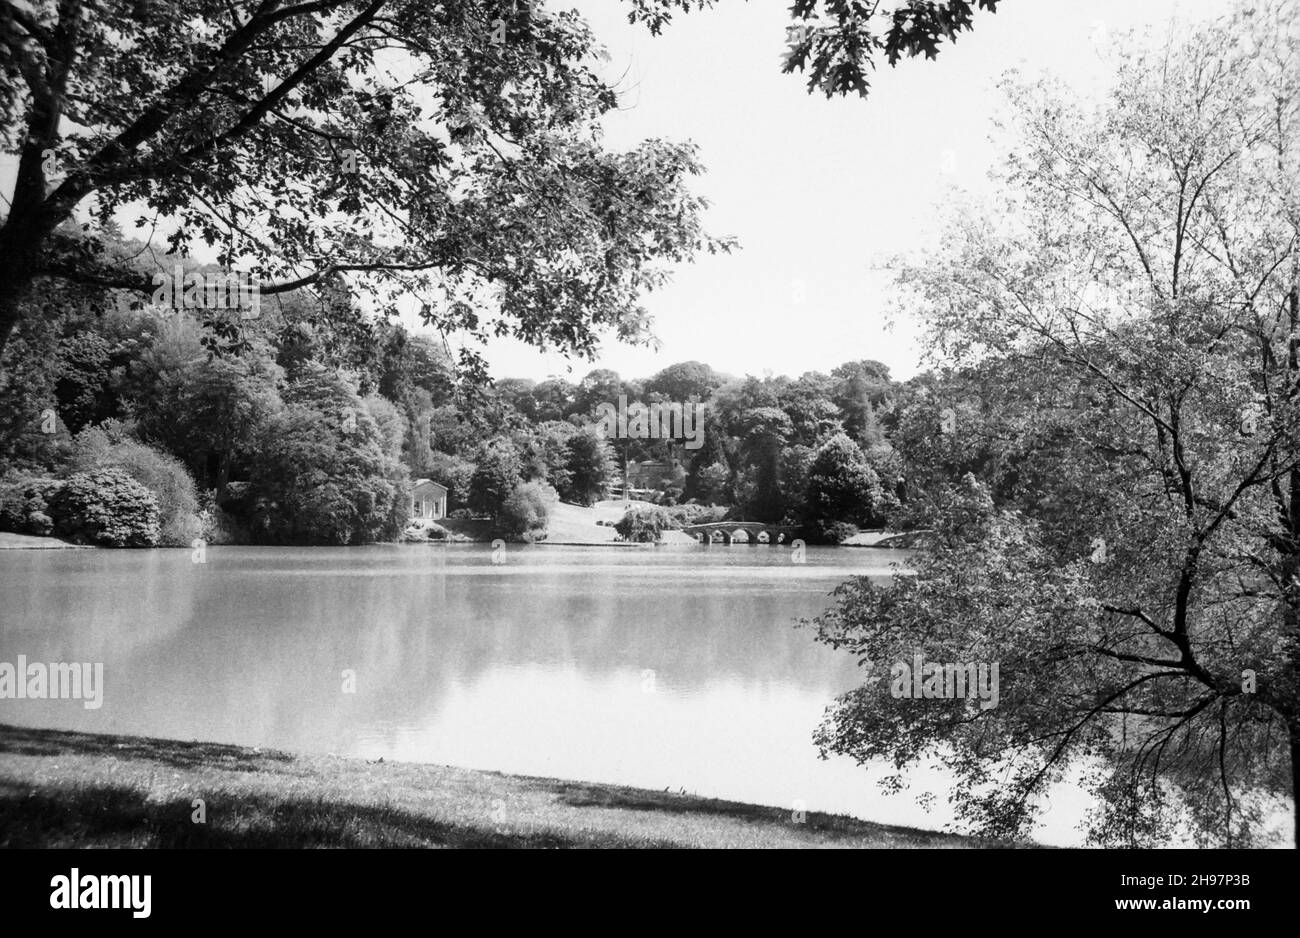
[[660, 667]]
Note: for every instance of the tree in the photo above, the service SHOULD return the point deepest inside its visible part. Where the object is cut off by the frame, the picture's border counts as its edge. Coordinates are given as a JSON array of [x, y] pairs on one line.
[[590, 467], [684, 381], [320, 474], [842, 488], [497, 471], [601, 386], [455, 473], [30, 435], [281, 134], [328, 327], [1136, 579], [710, 484], [766, 430], [207, 411], [93, 357], [548, 454], [525, 512], [859, 388], [413, 365], [812, 411], [554, 398], [836, 42], [517, 394], [417, 449]]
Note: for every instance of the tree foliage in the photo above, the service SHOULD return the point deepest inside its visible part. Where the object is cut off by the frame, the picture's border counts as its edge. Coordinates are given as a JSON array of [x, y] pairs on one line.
[[836, 42], [396, 144], [1127, 334]]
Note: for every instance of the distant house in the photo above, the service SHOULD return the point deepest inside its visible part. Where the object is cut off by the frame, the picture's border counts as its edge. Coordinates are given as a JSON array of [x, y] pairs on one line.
[[428, 500]]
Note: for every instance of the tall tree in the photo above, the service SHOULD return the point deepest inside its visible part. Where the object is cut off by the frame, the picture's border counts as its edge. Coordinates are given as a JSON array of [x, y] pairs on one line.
[[1139, 580], [447, 150], [590, 467]]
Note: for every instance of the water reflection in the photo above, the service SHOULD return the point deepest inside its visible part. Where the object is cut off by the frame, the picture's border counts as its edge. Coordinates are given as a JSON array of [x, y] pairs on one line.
[[656, 667]]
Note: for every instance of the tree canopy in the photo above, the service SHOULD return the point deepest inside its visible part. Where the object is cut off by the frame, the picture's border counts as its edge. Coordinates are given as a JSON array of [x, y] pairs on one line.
[[405, 147], [1113, 483]]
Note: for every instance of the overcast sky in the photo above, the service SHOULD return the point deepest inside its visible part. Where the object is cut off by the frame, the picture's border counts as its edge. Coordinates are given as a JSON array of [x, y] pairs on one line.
[[819, 191]]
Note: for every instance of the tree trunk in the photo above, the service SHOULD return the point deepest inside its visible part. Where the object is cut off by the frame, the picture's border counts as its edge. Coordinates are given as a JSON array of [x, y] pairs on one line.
[[1294, 729], [18, 255], [8, 320]]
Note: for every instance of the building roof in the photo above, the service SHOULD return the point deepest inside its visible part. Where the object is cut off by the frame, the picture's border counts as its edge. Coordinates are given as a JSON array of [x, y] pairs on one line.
[[420, 482]]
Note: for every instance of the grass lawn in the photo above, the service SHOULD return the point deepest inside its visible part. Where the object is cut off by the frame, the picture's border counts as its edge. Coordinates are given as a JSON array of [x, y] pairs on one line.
[[61, 789], [31, 542]]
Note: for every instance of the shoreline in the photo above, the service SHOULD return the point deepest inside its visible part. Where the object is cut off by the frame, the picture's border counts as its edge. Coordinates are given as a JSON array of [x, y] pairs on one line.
[[10, 541], [70, 789]]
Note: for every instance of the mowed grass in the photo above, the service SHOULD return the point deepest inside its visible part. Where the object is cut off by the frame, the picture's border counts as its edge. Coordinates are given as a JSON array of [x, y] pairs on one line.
[[61, 789]]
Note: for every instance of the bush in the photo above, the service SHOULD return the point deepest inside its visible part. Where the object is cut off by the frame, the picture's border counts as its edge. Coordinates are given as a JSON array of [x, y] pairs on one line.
[[696, 514], [162, 474], [833, 532], [106, 506], [525, 512], [216, 525], [644, 525], [24, 504]]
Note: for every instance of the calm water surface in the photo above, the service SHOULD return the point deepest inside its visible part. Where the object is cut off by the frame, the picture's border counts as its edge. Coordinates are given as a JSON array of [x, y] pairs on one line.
[[664, 667]]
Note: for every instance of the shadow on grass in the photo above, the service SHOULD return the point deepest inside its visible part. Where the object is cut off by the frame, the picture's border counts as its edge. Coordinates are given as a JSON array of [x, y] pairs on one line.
[[170, 752], [118, 816], [101, 814], [826, 825]]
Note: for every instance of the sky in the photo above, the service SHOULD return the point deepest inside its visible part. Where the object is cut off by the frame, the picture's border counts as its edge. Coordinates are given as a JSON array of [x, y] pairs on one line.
[[820, 193]]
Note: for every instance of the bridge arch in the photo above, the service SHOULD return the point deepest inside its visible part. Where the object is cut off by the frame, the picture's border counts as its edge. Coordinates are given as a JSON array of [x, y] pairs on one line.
[[748, 532]]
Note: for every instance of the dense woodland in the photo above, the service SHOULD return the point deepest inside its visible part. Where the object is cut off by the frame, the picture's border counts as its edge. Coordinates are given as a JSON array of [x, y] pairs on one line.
[[310, 426]]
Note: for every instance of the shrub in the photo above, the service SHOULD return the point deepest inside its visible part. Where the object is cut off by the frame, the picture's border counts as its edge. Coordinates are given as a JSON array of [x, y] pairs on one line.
[[696, 514], [216, 525], [162, 474], [106, 506], [525, 512], [24, 504], [833, 532], [644, 525]]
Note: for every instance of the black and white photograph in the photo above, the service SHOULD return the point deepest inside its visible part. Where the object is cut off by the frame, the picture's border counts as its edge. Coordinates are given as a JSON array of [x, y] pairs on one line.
[[649, 425]]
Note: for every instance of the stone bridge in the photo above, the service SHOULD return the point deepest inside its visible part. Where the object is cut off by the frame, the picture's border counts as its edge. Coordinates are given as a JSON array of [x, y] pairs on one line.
[[753, 530]]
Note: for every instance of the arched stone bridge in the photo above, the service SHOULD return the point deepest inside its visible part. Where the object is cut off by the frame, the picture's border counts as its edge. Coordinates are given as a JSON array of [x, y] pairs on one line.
[[753, 531]]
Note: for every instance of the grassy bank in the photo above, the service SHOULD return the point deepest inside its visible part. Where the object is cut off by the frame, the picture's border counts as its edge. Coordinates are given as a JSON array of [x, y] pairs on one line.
[[60, 789], [11, 541]]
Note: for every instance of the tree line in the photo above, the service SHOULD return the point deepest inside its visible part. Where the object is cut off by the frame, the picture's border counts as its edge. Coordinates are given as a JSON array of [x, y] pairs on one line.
[[313, 427]]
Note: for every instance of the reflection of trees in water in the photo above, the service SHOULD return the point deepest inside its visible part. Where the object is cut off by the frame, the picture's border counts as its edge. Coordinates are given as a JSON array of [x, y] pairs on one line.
[[93, 605], [691, 633], [252, 648]]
